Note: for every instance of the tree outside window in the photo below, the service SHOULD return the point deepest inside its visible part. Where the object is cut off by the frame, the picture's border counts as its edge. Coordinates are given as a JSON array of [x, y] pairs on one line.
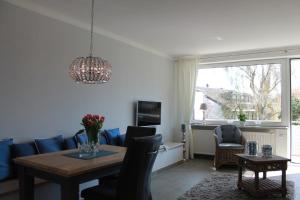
[[255, 89]]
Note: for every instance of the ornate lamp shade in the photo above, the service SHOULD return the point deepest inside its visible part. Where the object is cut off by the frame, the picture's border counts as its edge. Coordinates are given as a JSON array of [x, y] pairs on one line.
[[90, 70]]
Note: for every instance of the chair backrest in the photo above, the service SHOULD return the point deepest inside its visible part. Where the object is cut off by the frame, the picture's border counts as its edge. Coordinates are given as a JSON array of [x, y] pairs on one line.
[[135, 175], [137, 131], [228, 134]]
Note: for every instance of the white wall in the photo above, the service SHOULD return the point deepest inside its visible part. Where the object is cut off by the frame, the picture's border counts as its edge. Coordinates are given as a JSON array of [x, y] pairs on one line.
[[38, 99]]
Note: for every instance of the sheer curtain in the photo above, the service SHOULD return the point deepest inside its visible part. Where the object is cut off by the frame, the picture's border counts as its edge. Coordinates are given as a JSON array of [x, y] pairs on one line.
[[186, 70]]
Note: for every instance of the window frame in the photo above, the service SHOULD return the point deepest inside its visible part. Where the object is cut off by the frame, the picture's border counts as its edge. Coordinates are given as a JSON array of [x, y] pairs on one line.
[[285, 91]]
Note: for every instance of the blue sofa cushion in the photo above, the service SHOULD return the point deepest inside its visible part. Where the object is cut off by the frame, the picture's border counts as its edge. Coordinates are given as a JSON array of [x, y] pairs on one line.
[[102, 139], [23, 149], [112, 136], [81, 138], [50, 144], [70, 143], [121, 140], [20, 150], [5, 159]]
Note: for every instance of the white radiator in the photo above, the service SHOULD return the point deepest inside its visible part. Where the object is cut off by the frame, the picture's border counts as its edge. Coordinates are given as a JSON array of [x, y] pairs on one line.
[[204, 142], [262, 138], [295, 140]]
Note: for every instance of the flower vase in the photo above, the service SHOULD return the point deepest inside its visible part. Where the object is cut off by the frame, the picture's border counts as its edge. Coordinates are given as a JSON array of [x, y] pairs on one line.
[[92, 125], [92, 135]]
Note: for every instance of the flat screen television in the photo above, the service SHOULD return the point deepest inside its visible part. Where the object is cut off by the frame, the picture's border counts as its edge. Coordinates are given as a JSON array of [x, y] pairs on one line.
[[148, 113]]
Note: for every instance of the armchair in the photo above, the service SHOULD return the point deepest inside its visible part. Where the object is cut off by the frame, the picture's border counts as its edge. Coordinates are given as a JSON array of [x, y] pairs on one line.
[[229, 141]]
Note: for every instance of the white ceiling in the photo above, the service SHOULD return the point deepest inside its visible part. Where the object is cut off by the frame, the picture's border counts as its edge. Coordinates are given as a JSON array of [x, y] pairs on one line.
[[188, 27]]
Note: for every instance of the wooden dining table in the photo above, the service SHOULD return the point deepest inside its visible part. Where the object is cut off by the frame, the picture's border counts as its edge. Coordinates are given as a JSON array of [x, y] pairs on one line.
[[66, 171]]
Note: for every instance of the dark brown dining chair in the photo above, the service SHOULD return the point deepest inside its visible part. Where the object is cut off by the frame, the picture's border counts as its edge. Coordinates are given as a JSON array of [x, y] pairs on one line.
[[134, 180], [138, 131], [131, 132]]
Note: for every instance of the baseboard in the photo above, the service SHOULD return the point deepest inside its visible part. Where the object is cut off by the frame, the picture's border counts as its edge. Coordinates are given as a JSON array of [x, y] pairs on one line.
[[203, 156], [168, 167]]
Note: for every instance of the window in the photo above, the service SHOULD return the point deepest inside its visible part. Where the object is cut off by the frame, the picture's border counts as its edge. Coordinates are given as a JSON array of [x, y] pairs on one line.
[[252, 87]]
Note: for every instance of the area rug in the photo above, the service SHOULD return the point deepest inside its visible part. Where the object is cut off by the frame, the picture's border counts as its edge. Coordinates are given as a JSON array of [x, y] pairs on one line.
[[223, 186]]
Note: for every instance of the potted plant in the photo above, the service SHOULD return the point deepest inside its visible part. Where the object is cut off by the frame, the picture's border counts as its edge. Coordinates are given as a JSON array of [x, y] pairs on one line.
[[242, 117]]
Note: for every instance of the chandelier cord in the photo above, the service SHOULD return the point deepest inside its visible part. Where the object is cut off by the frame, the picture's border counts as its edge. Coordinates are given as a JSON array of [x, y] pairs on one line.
[[92, 28]]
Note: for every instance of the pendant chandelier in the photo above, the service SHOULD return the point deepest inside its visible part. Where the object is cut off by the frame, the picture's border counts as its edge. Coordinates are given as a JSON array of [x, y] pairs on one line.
[[90, 70]]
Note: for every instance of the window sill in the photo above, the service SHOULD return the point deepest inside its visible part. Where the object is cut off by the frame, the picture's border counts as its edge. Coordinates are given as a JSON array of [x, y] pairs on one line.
[[249, 128]]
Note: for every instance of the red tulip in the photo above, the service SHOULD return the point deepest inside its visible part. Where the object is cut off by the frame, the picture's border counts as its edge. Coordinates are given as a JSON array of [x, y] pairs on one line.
[[93, 121], [102, 119]]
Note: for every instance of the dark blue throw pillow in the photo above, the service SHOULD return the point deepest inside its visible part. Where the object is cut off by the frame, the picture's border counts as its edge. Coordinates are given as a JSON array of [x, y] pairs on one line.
[[112, 136], [81, 138], [70, 143], [5, 159], [50, 144], [102, 139], [23, 149], [121, 140], [20, 150]]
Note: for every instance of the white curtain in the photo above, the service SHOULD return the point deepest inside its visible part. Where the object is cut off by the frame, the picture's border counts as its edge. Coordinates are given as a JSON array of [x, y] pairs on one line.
[[186, 70]]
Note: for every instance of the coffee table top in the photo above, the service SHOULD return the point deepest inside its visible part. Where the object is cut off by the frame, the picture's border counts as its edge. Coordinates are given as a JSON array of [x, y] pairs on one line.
[[260, 159]]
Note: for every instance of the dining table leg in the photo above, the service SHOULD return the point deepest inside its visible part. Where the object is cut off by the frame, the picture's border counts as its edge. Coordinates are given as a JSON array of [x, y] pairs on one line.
[[26, 184], [256, 181], [69, 190], [283, 183], [264, 175]]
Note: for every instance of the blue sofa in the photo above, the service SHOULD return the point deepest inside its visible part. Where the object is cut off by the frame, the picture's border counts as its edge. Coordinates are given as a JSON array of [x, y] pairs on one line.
[[9, 151]]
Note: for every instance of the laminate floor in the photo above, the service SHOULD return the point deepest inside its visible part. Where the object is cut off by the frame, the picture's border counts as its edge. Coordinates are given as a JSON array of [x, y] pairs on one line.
[[170, 183]]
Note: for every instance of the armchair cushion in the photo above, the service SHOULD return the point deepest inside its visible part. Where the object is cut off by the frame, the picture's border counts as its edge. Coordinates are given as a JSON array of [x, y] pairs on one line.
[[228, 134], [230, 146]]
